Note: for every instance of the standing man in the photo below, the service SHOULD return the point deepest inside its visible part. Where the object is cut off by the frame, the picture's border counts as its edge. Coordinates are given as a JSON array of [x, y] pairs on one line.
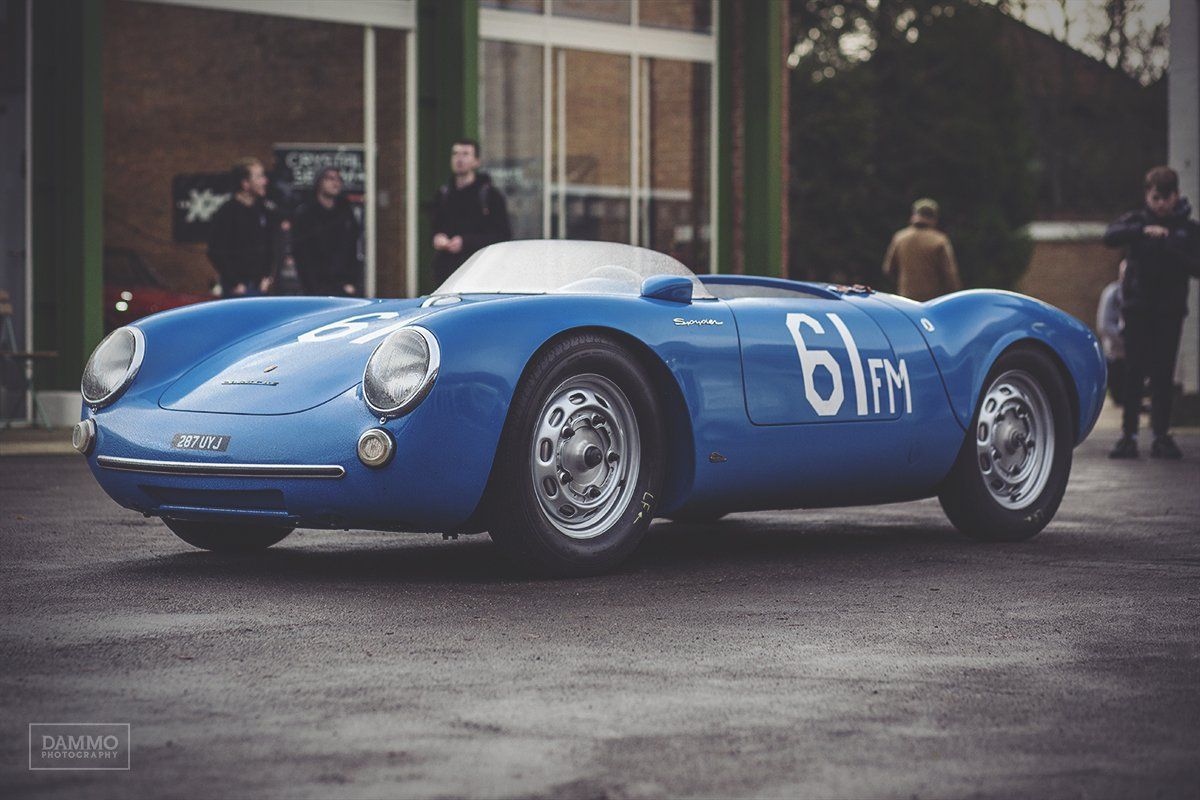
[[240, 241], [920, 260], [325, 240], [1163, 250], [469, 213]]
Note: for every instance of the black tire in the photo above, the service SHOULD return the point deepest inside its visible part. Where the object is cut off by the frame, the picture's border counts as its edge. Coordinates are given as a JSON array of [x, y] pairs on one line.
[[519, 521], [965, 494], [228, 537]]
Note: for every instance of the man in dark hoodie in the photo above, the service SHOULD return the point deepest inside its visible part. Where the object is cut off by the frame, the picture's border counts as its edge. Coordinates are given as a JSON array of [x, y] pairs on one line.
[[325, 238], [1163, 245], [469, 213], [242, 231]]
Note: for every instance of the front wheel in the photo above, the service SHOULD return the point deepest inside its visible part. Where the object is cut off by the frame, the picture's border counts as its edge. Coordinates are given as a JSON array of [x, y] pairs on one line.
[[1012, 470], [227, 537], [580, 463]]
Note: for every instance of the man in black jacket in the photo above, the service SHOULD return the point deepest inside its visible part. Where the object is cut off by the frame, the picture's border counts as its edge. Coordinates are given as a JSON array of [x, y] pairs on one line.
[[1163, 251], [242, 232], [469, 213], [325, 237]]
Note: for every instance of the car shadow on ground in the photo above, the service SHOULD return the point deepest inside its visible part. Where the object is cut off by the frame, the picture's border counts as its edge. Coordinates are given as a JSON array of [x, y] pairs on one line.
[[747, 544]]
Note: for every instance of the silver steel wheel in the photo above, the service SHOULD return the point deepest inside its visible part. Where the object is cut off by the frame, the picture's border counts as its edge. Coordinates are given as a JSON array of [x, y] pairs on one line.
[[1014, 439], [585, 455]]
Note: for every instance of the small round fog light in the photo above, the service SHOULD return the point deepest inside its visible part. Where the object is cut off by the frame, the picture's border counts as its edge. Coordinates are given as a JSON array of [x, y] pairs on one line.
[[83, 436], [375, 447]]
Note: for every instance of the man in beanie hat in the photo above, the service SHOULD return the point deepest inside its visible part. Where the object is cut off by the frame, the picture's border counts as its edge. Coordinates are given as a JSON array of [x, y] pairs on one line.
[[920, 260]]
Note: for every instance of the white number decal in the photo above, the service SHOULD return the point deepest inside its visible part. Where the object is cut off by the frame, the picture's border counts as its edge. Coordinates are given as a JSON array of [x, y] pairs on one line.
[[810, 360], [894, 379], [345, 327]]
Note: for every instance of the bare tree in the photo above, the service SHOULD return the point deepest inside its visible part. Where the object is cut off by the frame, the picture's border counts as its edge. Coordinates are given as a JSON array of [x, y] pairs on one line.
[[1128, 44]]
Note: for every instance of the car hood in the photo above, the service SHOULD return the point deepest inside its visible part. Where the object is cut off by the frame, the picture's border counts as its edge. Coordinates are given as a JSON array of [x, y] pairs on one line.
[[290, 367]]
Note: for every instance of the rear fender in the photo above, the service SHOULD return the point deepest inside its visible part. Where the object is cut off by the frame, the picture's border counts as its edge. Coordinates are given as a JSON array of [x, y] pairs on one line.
[[971, 329]]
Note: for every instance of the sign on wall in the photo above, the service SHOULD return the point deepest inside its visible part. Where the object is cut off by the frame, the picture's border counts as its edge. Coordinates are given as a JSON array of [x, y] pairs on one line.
[[195, 197], [297, 166]]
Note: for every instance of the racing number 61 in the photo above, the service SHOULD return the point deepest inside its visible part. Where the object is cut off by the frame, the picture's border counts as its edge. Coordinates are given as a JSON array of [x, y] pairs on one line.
[[894, 378]]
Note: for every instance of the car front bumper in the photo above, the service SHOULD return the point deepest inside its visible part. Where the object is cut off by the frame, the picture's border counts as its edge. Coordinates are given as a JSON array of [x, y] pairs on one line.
[[300, 469]]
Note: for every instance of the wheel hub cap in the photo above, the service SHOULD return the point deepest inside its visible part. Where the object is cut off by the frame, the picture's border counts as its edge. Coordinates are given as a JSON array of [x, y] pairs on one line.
[[585, 455], [1014, 439]]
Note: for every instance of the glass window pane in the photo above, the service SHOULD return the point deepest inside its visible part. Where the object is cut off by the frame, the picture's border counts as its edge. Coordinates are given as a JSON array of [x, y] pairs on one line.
[[606, 10], [675, 156], [510, 129], [591, 151], [685, 15], [534, 6]]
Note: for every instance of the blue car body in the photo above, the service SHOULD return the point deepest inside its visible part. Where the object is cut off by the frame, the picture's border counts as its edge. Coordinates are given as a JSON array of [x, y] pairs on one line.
[[780, 395]]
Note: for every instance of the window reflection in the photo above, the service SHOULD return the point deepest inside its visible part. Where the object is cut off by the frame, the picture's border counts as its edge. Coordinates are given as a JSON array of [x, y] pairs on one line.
[[674, 159], [685, 15], [606, 10], [534, 6], [510, 129], [591, 146]]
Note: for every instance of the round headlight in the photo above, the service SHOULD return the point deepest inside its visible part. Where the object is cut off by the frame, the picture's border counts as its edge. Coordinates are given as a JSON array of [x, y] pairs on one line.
[[401, 371], [113, 365]]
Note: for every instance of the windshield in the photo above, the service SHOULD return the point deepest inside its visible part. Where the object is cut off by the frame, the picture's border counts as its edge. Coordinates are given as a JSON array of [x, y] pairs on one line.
[[564, 267]]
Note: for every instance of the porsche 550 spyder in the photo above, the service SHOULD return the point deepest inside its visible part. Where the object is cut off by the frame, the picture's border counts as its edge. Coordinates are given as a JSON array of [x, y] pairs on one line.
[[560, 395]]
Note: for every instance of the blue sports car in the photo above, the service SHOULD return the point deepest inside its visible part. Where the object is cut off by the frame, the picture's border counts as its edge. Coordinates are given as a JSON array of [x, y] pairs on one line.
[[560, 395]]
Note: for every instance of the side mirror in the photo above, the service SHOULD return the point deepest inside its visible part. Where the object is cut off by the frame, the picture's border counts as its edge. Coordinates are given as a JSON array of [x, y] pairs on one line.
[[674, 288]]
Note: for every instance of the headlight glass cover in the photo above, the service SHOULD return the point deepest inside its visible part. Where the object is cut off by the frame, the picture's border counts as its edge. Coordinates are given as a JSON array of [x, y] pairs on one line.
[[401, 371], [113, 365]]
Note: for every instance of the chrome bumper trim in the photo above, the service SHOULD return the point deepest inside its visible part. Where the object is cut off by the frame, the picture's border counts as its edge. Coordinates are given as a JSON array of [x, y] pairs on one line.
[[192, 468]]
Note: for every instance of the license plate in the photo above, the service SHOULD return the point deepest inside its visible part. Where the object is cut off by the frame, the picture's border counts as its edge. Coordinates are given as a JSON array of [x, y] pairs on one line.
[[200, 441]]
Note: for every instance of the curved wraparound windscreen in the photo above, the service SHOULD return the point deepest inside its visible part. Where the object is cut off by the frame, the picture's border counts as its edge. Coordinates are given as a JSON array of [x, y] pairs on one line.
[[564, 267]]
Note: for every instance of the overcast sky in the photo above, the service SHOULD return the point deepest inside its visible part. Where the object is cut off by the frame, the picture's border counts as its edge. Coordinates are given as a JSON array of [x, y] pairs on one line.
[[1087, 20]]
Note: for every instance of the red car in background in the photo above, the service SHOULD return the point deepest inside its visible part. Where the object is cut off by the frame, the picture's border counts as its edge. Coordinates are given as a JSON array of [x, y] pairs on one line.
[[133, 290]]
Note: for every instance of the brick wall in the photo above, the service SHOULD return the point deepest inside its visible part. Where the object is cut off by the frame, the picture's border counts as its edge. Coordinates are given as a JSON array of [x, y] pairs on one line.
[[191, 90], [1070, 275]]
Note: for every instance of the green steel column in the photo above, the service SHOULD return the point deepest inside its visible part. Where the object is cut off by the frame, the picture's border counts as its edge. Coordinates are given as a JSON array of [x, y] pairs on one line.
[[447, 103], [725, 123], [67, 174], [765, 182]]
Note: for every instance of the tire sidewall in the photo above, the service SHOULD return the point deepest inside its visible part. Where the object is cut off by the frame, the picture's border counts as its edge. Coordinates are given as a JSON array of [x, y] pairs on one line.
[[549, 547], [988, 518]]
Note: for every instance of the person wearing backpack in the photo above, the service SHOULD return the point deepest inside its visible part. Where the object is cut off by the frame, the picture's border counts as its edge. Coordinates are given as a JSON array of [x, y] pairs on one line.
[[1162, 242], [469, 212]]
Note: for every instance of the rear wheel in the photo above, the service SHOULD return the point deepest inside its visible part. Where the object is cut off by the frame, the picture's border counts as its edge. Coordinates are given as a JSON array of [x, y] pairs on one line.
[[579, 465], [1012, 471], [228, 537]]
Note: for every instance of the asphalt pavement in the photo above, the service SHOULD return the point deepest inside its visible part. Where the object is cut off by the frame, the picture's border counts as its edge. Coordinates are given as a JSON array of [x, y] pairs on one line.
[[868, 652]]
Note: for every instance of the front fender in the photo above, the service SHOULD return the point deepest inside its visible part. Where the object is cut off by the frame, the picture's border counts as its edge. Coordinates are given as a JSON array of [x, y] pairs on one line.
[[972, 328], [486, 347]]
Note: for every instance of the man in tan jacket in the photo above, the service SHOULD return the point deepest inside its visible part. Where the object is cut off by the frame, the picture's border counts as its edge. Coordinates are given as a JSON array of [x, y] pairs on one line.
[[920, 259]]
